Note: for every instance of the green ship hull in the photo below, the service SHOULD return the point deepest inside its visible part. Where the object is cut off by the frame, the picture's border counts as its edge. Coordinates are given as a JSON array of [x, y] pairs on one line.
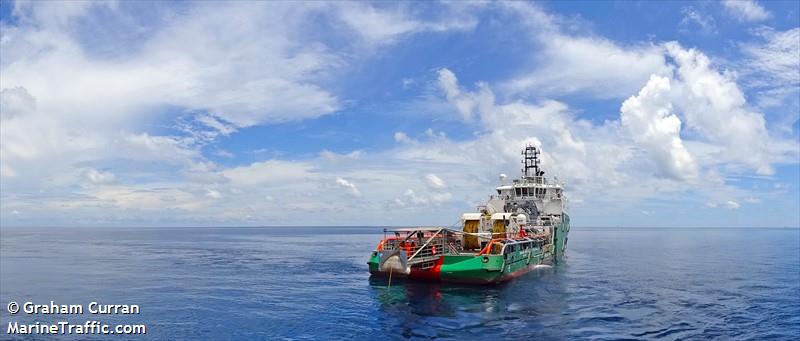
[[513, 260]]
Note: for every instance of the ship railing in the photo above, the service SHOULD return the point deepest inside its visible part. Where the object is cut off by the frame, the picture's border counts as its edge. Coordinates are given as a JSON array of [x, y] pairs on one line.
[[539, 180], [434, 244], [428, 247]]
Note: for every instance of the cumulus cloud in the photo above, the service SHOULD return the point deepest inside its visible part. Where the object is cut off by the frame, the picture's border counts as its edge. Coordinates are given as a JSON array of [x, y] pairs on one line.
[[649, 119], [593, 153], [746, 10], [693, 96], [714, 105]]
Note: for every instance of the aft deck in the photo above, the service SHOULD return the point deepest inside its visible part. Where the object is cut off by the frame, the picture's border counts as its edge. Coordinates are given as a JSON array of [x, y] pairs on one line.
[[424, 246]]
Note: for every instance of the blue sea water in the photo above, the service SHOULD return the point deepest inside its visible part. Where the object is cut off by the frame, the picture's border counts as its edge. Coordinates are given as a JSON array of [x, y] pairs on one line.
[[312, 283]]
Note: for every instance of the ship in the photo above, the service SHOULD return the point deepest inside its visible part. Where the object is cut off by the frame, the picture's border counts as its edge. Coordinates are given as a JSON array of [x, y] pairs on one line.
[[522, 226]]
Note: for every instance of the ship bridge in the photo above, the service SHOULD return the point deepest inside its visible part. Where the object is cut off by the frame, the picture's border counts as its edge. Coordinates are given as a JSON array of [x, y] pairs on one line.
[[529, 202]]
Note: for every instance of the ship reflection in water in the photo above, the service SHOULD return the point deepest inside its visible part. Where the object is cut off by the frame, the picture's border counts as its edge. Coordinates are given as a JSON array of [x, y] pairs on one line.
[[417, 309]]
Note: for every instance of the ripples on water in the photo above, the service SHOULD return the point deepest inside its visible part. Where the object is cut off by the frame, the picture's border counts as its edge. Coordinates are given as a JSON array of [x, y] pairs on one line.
[[312, 283]]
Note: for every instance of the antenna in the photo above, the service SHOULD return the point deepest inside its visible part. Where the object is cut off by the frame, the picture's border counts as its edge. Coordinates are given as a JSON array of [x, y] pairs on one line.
[[530, 161]]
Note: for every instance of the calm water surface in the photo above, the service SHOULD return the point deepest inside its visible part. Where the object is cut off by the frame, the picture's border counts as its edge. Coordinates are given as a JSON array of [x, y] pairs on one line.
[[312, 283]]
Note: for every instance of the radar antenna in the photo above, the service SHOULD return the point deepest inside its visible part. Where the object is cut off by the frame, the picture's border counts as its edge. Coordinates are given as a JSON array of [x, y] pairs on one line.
[[530, 160]]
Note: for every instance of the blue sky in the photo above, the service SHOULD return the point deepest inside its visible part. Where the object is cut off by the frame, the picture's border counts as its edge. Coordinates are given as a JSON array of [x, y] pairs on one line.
[[346, 113]]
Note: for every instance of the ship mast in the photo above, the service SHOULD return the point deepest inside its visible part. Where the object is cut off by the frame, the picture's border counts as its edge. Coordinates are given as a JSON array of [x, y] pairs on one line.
[[530, 161]]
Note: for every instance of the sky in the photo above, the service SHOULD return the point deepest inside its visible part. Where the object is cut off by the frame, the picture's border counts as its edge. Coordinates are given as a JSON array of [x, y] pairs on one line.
[[653, 114]]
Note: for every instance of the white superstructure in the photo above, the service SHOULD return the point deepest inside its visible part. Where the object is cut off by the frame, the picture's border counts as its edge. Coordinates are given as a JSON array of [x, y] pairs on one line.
[[530, 204]]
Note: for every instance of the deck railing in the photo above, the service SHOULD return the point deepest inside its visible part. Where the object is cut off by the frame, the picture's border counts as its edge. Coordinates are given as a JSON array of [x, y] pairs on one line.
[[427, 249]]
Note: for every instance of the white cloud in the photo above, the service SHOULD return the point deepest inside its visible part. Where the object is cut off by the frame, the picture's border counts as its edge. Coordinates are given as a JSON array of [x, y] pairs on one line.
[[204, 128], [336, 157], [714, 106], [570, 63], [772, 71], [746, 10], [732, 205], [269, 172], [411, 197], [226, 74], [694, 21], [393, 21], [752, 200], [375, 25], [592, 65], [402, 137], [64, 107], [725, 135], [98, 177], [274, 64], [163, 148], [775, 59], [348, 186], [213, 194], [77, 94], [141, 199], [434, 181], [466, 102], [16, 102], [590, 158], [649, 119]]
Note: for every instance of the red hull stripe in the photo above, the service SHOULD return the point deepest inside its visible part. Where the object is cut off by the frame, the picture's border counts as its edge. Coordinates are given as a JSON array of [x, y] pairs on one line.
[[431, 274]]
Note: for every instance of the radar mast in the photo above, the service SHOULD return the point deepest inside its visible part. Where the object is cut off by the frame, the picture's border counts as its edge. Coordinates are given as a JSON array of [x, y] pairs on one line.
[[530, 161]]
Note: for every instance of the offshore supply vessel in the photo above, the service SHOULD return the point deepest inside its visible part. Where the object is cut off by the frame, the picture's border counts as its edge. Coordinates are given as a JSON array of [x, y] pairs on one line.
[[524, 225]]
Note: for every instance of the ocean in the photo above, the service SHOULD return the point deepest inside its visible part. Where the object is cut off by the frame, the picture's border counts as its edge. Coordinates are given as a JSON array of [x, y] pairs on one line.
[[311, 283]]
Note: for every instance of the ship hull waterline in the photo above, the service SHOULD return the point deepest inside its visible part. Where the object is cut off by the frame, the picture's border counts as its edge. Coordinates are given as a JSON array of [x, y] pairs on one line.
[[472, 271]]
